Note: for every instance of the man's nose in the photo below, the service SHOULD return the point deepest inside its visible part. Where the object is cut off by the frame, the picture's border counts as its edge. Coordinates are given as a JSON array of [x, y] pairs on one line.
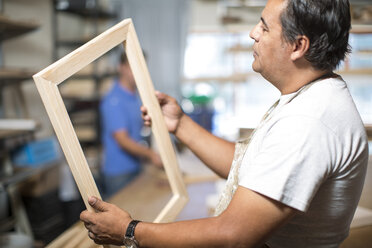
[[254, 34]]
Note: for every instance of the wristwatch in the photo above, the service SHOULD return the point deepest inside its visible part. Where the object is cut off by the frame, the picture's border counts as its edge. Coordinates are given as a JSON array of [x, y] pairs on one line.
[[129, 240]]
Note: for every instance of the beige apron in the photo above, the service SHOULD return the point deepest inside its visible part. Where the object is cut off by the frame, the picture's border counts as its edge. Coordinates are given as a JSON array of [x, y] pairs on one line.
[[232, 180]]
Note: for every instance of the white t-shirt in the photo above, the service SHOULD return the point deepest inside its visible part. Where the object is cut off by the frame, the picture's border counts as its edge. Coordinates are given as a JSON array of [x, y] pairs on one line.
[[311, 154]]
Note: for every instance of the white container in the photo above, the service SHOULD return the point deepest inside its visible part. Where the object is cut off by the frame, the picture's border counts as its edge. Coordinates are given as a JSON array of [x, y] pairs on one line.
[[15, 240]]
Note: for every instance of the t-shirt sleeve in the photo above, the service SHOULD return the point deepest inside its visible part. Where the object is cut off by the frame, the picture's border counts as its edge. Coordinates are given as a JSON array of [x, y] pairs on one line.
[[114, 117], [291, 163]]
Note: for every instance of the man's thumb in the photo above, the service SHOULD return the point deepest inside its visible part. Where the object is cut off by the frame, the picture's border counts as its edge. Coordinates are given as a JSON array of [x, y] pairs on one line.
[[97, 204]]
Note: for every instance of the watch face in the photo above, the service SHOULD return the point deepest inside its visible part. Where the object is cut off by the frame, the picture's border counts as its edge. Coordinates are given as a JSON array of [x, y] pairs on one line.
[[129, 243]]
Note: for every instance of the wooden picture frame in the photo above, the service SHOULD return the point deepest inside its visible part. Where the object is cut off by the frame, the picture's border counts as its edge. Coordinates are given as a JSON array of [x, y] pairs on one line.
[[47, 82]]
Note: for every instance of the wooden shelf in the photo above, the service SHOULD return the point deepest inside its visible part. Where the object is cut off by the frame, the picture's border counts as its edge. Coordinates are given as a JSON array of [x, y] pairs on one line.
[[82, 91], [10, 29], [86, 117], [361, 29], [242, 77], [363, 52], [13, 75], [23, 173], [95, 76], [5, 134], [88, 99], [11, 128], [240, 48], [364, 71], [72, 43], [86, 134], [89, 13], [19, 124]]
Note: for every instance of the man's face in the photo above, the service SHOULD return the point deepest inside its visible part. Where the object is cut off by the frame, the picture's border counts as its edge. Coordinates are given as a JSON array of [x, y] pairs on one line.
[[270, 50], [126, 72]]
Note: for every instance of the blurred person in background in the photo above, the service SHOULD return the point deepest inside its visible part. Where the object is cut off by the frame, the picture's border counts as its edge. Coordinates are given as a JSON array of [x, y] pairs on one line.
[[121, 132]]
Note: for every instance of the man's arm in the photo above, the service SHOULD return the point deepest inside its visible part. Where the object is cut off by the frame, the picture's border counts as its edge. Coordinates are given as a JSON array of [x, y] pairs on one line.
[[248, 221], [215, 152], [136, 149]]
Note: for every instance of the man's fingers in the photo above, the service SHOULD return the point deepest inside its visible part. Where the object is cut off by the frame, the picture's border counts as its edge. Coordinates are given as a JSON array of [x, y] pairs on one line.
[[85, 216], [103, 239], [98, 204], [143, 110], [94, 237], [161, 97], [91, 235], [88, 225], [145, 117]]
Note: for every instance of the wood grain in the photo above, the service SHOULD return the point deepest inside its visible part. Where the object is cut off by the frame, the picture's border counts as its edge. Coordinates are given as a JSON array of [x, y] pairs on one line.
[[149, 100]]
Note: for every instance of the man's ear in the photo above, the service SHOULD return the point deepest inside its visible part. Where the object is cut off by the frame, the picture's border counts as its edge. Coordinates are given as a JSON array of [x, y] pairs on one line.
[[300, 47]]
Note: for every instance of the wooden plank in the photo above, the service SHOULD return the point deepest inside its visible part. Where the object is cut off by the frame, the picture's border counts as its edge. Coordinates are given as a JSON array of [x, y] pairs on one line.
[[47, 84], [84, 55], [168, 156], [67, 138]]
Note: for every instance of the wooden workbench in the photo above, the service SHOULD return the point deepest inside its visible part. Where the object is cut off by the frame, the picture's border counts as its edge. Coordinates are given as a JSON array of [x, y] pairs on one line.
[[143, 199], [147, 195]]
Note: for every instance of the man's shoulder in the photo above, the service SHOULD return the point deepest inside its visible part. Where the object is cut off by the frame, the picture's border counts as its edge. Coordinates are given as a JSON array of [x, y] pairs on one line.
[[326, 96], [328, 102]]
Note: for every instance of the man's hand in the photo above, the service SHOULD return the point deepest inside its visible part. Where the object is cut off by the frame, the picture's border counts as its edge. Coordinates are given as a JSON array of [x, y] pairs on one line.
[[108, 224], [171, 110], [156, 160]]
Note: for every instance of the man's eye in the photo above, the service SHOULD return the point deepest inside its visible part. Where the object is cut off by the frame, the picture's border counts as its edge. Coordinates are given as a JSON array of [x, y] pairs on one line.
[[263, 28]]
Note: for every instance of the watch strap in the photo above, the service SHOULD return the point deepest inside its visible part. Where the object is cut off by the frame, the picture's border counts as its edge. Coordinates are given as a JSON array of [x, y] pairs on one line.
[[131, 227]]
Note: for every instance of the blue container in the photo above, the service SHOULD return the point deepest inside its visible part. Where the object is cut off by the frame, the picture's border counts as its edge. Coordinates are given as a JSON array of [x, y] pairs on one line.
[[37, 153], [203, 115]]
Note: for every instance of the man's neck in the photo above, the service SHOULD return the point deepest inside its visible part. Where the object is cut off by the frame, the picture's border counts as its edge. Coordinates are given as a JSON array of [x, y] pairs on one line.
[[295, 81], [126, 84]]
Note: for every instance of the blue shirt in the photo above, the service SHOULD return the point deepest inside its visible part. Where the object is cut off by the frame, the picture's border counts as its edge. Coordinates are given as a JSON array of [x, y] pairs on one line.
[[120, 110]]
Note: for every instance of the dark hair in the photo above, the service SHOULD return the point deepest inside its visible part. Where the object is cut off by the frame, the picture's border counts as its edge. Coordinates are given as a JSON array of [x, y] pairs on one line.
[[123, 58], [326, 23]]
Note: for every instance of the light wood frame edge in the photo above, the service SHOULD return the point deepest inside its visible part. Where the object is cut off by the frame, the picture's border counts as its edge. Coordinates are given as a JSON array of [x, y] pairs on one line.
[[47, 82]]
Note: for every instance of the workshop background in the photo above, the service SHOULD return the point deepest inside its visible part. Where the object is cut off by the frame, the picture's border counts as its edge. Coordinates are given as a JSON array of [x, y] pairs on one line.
[[198, 51]]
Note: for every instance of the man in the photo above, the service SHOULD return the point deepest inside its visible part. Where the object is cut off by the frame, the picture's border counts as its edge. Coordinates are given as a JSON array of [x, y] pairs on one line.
[[122, 124], [298, 180]]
